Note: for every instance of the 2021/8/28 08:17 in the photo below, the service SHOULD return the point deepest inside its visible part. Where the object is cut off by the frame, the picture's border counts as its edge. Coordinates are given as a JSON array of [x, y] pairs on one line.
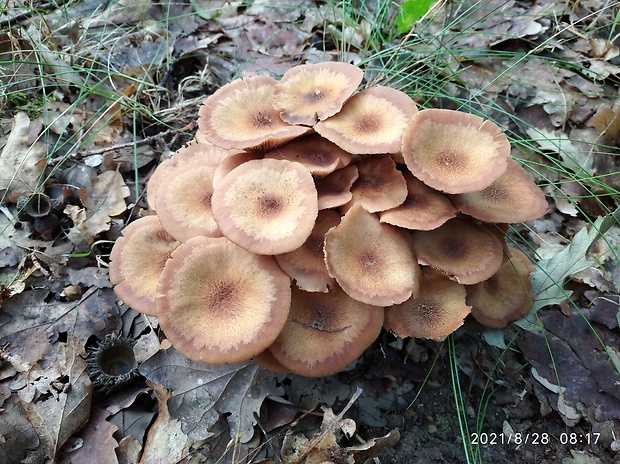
[[533, 438]]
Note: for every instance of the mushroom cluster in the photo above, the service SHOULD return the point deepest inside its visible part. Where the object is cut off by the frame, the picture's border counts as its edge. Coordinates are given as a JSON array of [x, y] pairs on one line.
[[305, 217]]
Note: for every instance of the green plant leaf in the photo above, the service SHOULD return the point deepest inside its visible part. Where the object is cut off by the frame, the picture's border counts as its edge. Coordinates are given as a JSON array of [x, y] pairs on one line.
[[410, 12]]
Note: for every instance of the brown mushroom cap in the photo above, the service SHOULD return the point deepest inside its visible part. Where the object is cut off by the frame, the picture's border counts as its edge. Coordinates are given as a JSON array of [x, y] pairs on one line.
[[318, 155], [371, 122], [306, 264], [231, 163], [325, 332], [372, 262], [506, 296], [240, 115], [454, 152], [435, 313], [380, 186], [335, 189], [465, 251], [217, 303], [266, 206], [137, 260], [512, 197], [184, 203], [423, 209], [312, 92], [267, 360]]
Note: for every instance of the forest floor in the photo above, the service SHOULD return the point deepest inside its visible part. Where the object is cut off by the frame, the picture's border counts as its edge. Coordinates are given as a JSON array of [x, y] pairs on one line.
[[96, 96]]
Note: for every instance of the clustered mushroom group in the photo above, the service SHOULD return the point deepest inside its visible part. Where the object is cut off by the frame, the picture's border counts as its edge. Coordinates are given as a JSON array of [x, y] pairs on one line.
[[305, 217]]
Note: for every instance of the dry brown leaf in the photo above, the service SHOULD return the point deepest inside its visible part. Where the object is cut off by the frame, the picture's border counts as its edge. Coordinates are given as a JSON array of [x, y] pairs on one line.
[[17, 435], [98, 442], [607, 123], [22, 160]]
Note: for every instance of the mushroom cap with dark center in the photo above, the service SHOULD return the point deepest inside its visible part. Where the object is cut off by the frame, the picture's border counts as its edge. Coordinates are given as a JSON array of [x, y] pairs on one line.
[[266, 206], [379, 186], [512, 197], [318, 155], [465, 251], [218, 303], [137, 260], [325, 332], [372, 262], [313, 92], [435, 313], [423, 209], [371, 122], [184, 203], [335, 189], [454, 152], [306, 264], [241, 115], [506, 296]]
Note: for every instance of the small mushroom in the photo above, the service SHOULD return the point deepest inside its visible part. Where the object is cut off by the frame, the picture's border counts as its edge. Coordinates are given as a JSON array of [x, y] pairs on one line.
[[423, 209], [313, 92], [335, 189], [465, 251], [454, 152], [306, 264], [371, 122], [325, 332], [266, 206], [372, 262], [506, 296], [184, 203], [137, 260], [241, 115], [218, 303], [437, 311], [512, 197]]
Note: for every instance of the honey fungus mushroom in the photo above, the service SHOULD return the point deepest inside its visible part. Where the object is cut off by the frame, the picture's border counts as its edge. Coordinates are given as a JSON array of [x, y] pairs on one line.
[[325, 332], [313, 92], [454, 152], [266, 206], [137, 260], [218, 303], [241, 115]]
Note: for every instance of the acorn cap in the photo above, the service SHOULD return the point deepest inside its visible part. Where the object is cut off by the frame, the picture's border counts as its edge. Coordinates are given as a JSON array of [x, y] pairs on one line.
[[325, 332], [218, 303], [423, 209], [512, 197], [241, 115], [137, 260], [313, 92], [437, 311], [266, 206], [371, 122], [372, 262], [465, 251], [506, 296], [454, 152]]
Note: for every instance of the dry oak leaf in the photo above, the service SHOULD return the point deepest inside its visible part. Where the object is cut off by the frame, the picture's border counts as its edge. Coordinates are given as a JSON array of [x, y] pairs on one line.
[[22, 160]]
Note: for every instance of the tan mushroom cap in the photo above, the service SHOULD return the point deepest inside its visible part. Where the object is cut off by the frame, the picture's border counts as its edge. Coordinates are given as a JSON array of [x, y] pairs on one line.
[[191, 153], [240, 115], [184, 203], [423, 209], [435, 313], [506, 296], [335, 189], [512, 197], [306, 264], [454, 152], [325, 332], [371, 122], [372, 262], [217, 303], [267, 361], [231, 163], [379, 186], [266, 206], [312, 92], [465, 251], [137, 260], [318, 155]]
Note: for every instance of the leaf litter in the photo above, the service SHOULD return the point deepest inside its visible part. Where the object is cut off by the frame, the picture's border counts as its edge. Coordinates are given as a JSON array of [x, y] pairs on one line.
[[55, 297]]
